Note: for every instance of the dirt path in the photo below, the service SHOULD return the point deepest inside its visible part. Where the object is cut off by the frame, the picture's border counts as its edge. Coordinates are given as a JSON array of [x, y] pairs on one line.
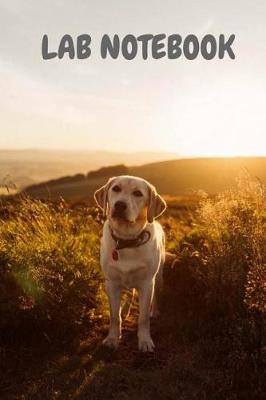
[[186, 365], [71, 372]]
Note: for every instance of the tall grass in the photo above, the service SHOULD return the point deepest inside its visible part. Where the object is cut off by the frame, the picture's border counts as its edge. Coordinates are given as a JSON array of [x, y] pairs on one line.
[[220, 272], [49, 272], [233, 230]]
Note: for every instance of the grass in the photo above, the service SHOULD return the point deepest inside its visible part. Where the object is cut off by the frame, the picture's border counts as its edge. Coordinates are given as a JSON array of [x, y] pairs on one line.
[[49, 264], [53, 313]]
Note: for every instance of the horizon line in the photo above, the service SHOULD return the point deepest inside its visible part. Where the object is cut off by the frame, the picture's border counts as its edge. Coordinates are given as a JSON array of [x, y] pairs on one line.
[[178, 155]]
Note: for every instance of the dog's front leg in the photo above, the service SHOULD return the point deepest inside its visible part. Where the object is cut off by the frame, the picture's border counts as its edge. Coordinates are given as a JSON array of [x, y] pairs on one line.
[[114, 296], [145, 299]]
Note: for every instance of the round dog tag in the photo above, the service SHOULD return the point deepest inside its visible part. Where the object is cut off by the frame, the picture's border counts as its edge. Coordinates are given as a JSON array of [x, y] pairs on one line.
[[115, 255]]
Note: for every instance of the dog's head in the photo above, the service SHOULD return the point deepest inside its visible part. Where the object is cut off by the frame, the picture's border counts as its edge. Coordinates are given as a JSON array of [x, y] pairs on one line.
[[130, 202]]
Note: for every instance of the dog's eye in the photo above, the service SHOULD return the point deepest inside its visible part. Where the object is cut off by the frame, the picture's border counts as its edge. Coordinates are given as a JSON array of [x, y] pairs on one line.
[[116, 189], [137, 193]]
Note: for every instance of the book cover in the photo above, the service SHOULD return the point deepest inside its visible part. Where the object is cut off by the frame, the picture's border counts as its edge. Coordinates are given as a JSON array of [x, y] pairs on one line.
[[132, 199]]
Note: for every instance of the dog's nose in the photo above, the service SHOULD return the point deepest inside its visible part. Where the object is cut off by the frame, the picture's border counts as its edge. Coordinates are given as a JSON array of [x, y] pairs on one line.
[[120, 206]]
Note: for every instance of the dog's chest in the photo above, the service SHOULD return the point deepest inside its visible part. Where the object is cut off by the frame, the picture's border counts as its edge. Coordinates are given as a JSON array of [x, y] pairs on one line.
[[129, 268]]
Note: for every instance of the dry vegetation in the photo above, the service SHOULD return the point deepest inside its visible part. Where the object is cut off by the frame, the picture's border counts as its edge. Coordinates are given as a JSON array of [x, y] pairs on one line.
[[211, 334]]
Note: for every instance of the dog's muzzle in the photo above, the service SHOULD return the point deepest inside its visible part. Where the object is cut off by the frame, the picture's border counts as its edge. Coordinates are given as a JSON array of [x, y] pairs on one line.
[[119, 210]]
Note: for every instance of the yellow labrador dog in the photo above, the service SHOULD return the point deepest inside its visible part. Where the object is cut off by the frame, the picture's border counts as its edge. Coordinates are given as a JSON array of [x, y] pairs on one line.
[[132, 250]]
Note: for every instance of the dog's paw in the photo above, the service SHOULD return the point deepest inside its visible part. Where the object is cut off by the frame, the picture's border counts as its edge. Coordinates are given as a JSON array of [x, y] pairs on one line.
[[111, 342], [146, 344]]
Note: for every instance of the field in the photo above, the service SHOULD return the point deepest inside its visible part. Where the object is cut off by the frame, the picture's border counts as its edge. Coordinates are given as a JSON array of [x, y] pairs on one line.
[[210, 337]]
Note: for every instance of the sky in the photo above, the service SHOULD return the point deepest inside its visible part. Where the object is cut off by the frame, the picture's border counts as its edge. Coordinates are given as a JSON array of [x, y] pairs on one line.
[[193, 108]]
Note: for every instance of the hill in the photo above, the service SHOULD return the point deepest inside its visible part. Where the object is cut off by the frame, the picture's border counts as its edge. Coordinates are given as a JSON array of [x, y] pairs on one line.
[[27, 167], [209, 174], [173, 177]]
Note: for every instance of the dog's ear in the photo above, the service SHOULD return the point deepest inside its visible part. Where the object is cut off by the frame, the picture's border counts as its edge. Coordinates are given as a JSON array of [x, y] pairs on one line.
[[101, 196], [156, 205]]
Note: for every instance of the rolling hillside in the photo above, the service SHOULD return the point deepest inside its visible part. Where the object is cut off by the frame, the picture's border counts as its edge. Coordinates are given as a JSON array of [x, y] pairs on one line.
[[27, 167], [174, 177]]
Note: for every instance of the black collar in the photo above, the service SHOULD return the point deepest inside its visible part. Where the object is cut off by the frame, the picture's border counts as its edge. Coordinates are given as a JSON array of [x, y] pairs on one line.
[[140, 240]]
